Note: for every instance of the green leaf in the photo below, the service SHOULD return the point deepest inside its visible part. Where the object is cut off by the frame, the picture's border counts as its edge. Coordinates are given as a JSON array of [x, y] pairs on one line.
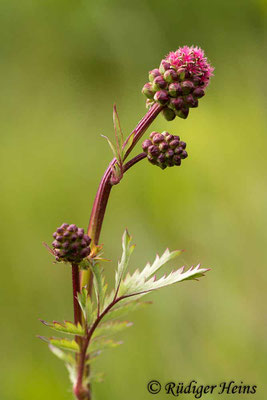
[[111, 145], [128, 144], [63, 344], [87, 306], [100, 286], [62, 355], [66, 327], [69, 361], [159, 262], [72, 373], [118, 133], [124, 307], [102, 344], [110, 328], [127, 250], [140, 283]]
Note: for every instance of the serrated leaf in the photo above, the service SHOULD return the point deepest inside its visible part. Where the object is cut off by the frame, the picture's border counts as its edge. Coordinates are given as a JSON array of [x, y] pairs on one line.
[[133, 283], [124, 307], [102, 344], [100, 286], [127, 250], [63, 344], [110, 328], [158, 263], [66, 327], [140, 283], [87, 306]]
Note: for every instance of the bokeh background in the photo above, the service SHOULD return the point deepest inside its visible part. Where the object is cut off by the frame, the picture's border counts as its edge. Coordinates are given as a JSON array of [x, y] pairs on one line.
[[63, 65]]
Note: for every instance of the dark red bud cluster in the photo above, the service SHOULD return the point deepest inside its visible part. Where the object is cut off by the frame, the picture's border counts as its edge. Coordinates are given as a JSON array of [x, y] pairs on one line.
[[71, 244], [164, 150]]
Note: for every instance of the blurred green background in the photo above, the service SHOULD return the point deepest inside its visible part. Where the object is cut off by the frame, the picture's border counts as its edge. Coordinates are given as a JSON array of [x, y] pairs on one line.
[[63, 65]]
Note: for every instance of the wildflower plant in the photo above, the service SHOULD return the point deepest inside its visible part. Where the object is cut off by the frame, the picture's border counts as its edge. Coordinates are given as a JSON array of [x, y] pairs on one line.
[[173, 88]]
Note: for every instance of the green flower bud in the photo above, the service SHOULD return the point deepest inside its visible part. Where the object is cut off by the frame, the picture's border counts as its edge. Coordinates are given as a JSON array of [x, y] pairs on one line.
[[162, 97], [153, 74], [183, 113], [159, 83], [177, 104], [148, 91], [198, 93], [187, 87], [170, 75], [168, 114], [175, 89], [164, 66], [191, 101]]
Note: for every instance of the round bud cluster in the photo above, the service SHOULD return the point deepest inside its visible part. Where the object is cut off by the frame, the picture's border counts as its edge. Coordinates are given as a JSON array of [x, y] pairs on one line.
[[164, 150], [179, 82], [71, 244]]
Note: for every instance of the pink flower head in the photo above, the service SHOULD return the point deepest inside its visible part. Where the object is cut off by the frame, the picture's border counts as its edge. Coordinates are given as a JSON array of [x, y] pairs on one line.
[[193, 61], [179, 82]]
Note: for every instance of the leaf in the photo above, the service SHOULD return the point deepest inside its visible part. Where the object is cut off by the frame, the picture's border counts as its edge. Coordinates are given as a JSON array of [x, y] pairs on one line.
[[62, 355], [72, 373], [63, 344], [66, 327], [127, 250], [110, 328], [100, 286], [128, 144], [140, 283], [118, 133], [69, 362], [102, 344], [159, 262], [111, 145], [87, 306], [123, 308]]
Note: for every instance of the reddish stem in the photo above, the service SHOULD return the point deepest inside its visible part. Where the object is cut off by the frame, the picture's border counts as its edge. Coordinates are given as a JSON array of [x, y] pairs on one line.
[[134, 161], [76, 289], [102, 196], [79, 390], [94, 229]]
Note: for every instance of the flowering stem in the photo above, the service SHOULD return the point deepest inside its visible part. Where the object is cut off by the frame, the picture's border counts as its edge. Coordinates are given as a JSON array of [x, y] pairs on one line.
[[80, 391], [102, 196], [134, 161], [76, 289], [94, 229]]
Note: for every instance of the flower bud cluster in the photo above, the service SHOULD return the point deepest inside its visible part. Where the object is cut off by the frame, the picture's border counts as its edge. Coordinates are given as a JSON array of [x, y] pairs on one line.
[[179, 82], [164, 150], [71, 244]]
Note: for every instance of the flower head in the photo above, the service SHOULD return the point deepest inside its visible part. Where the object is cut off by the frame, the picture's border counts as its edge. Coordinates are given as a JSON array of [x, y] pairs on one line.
[[193, 62], [164, 150], [71, 244], [179, 82]]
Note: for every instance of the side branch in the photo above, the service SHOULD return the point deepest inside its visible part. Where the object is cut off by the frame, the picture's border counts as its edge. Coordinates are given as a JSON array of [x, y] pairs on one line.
[[102, 196]]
